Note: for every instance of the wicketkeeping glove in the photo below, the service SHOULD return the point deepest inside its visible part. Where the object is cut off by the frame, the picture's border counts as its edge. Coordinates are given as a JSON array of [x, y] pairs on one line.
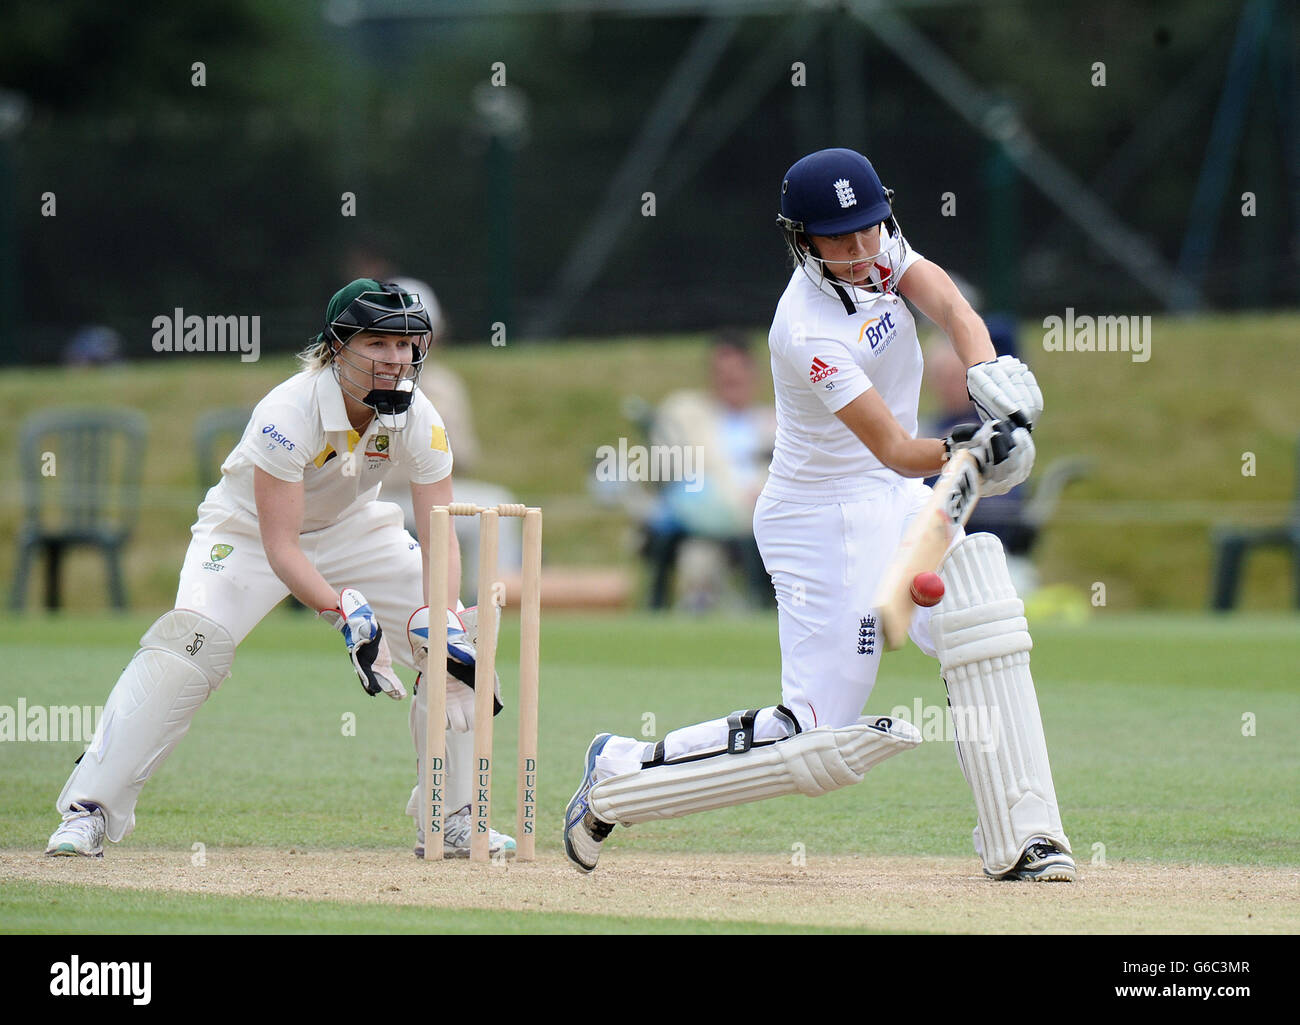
[[366, 645], [461, 659]]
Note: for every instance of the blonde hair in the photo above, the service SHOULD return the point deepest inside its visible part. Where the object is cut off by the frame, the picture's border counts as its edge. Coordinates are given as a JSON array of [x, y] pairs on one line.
[[318, 355]]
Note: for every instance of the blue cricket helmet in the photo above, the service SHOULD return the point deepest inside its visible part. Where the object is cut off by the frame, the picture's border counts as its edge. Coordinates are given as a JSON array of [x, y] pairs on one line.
[[837, 192], [833, 192]]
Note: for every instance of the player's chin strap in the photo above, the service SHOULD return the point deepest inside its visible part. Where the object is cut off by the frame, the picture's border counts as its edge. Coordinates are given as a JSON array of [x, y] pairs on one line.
[[391, 404], [983, 643]]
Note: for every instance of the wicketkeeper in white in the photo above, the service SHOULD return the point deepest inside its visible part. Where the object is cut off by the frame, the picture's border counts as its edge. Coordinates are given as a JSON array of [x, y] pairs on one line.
[[844, 486], [296, 512]]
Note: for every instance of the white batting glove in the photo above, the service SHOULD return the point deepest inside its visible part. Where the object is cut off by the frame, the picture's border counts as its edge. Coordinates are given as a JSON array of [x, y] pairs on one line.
[[1004, 453], [366, 645], [1005, 389]]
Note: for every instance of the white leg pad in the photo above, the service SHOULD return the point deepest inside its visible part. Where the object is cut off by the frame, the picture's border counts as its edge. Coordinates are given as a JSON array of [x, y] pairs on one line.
[[183, 657], [458, 766], [813, 763], [983, 644]]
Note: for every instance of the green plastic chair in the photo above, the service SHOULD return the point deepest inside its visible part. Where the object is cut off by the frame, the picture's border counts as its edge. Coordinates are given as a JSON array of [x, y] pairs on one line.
[[1232, 544], [81, 471]]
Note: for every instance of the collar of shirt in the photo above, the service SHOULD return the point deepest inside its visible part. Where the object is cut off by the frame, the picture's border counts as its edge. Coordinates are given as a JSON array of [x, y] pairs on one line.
[[329, 402]]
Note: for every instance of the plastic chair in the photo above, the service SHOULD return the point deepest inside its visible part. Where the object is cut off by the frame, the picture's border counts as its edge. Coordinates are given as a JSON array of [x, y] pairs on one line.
[[1232, 545], [215, 434], [81, 471]]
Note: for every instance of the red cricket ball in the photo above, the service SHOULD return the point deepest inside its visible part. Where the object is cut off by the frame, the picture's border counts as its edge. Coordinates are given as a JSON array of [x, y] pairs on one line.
[[927, 589]]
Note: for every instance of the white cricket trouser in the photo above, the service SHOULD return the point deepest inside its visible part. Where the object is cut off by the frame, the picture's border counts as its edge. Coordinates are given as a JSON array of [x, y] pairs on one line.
[[369, 550], [825, 562]]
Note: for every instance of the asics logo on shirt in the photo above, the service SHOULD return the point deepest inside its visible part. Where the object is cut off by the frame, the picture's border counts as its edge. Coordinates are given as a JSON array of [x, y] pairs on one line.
[[276, 436]]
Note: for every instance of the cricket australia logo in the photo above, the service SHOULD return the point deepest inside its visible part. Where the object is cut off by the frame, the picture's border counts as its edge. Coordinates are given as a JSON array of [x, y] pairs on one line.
[[377, 449], [218, 553], [867, 635], [844, 193]]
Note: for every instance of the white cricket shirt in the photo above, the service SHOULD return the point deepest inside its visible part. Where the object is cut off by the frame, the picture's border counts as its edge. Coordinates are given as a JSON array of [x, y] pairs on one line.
[[824, 355], [300, 432]]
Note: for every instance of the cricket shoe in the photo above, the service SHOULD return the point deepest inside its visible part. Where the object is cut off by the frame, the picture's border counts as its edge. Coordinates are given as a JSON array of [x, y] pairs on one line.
[[1043, 862], [583, 832], [455, 838], [81, 833]]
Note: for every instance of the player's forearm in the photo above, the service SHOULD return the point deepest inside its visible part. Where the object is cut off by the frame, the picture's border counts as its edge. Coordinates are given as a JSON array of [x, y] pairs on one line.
[[874, 425], [914, 457], [453, 570], [969, 336], [453, 563], [302, 578]]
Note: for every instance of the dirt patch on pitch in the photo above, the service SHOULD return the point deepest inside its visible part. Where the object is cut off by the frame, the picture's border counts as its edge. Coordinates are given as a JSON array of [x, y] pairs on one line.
[[942, 895]]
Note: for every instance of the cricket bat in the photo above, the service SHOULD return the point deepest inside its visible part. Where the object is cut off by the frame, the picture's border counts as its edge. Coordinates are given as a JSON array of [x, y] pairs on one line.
[[954, 497]]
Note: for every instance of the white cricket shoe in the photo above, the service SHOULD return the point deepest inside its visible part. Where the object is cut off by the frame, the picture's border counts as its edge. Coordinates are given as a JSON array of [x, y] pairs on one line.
[[82, 833], [1043, 862], [583, 832], [455, 838]]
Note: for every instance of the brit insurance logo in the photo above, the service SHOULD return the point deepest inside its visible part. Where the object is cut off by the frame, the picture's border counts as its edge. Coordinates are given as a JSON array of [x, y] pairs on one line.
[[218, 553], [879, 332]]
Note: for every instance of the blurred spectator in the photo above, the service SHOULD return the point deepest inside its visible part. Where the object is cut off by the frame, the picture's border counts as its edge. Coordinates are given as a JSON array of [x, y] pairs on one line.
[[93, 345], [698, 527]]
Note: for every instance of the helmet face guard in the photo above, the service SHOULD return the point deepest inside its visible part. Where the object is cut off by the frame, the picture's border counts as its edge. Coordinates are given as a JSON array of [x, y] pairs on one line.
[[383, 309], [885, 264], [837, 192]]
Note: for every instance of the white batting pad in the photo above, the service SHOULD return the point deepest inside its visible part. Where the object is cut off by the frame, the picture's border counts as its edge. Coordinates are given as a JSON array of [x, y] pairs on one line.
[[183, 657], [983, 642], [813, 763]]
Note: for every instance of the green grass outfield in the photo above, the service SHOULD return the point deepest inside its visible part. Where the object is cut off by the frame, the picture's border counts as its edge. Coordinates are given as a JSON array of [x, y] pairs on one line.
[[1174, 740]]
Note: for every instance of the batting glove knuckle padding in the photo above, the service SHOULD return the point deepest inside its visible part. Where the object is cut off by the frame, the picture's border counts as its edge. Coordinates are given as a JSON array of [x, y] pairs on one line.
[[1003, 452], [1004, 389]]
